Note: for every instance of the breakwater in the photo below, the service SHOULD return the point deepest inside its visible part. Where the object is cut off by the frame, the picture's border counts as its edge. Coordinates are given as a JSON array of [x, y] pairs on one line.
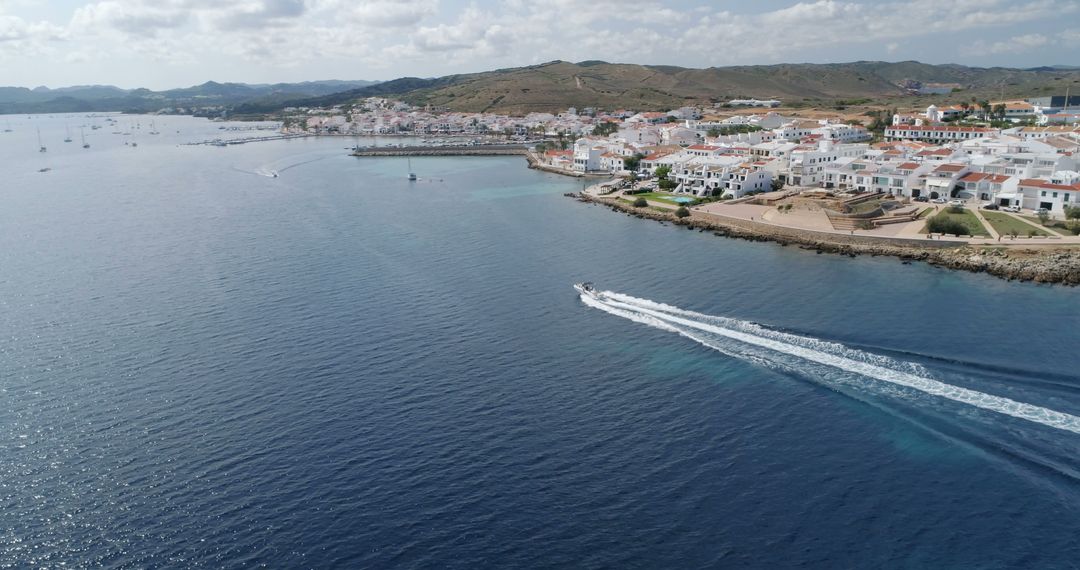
[[444, 150]]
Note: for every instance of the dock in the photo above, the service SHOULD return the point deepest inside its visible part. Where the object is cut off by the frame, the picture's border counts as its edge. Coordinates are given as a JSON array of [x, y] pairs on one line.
[[444, 150]]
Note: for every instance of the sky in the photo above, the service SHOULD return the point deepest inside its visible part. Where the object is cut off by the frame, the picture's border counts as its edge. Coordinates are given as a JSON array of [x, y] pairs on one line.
[[163, 44]]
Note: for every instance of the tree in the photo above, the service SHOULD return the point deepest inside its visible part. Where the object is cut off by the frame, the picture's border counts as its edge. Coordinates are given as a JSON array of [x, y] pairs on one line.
[[662, 172], [999, 111], [777, 184], [631, 163], [605, 128], [713, 132], [682, 212], [641, 203], [1072, 212], [1044, 217]]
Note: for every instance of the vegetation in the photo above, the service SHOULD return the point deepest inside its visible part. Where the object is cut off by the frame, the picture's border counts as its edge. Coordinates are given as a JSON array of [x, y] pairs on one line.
[[631, 163], [963, 223], [605, 128], [1043, 217], [641, 202], [1072, 212], [682, 212], [559, 84], [662, 172], [1005, 224], [667, 184], [864, 225]]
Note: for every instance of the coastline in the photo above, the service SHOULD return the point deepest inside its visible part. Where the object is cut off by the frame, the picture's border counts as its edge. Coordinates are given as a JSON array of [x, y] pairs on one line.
[[1043, 263]]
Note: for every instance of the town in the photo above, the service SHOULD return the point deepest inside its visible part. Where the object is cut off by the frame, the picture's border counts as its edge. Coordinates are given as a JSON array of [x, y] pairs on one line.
[[1019, 157]]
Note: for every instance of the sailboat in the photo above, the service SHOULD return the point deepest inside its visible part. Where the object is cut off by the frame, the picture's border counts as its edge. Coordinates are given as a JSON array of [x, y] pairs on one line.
[[41, 147], [412, 175], [153, 128], [68, 137], [7, 128], [84, 143]]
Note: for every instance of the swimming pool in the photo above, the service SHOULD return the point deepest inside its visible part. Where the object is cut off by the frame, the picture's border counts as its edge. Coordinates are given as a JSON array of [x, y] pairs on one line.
[[681, 199]]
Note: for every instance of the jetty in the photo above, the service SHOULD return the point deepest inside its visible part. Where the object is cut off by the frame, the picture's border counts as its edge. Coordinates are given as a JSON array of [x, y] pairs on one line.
[[443, 150]]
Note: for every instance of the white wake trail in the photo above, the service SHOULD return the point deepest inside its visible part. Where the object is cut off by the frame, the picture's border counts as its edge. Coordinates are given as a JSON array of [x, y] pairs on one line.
[[835, 355]]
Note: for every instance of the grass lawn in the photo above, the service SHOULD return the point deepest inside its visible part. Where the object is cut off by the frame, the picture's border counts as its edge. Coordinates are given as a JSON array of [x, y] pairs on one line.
[[1006, 224], [926, 213], [1035, 221], [969, 220], [864, 207]]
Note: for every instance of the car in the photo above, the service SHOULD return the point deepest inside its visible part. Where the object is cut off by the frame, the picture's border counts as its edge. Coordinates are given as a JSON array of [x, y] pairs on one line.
[[957, 203], [922, 199], [1013, 209], [1041, 211], [938, 200], [990, 206]]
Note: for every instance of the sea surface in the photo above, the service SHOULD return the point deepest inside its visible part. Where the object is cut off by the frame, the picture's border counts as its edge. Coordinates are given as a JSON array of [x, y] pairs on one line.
[[206, 366]]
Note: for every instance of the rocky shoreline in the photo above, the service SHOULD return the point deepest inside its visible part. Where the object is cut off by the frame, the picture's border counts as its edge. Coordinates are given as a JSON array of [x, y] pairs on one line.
[[1041, 264]]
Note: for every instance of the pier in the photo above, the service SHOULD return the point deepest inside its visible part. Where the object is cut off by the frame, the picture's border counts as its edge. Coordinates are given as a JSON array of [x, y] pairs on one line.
[[444, 150]]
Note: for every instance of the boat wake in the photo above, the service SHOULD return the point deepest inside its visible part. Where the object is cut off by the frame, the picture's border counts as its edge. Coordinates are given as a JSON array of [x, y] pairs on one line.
[[835, 362]]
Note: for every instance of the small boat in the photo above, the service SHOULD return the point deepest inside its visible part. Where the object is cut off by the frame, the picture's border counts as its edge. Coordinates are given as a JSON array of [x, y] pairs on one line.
[[587, 288], [82, 132], [412, 175], [68, 137], [46, 169]]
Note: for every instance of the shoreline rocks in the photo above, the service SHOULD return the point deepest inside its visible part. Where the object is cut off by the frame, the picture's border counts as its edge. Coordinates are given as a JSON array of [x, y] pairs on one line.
[[1047, 264]]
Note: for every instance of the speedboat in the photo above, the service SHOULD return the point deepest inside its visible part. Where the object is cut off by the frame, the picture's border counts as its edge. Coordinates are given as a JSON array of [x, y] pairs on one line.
[[586, 288]]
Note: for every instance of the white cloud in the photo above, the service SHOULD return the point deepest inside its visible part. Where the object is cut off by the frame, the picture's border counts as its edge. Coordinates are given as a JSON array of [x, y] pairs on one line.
[[432, 37], [1015, 44]]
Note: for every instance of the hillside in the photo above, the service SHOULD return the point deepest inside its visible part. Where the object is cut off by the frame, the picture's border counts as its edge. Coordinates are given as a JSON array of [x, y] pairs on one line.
[[557, 85], [88, 98]]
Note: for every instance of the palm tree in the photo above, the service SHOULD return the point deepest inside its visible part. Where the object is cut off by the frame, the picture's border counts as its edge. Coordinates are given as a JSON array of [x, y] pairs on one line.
[[999, 110]]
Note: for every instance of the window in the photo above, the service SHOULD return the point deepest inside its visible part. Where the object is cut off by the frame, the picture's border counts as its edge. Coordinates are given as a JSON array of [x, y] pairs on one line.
[[1055, 194], [1044, 192]]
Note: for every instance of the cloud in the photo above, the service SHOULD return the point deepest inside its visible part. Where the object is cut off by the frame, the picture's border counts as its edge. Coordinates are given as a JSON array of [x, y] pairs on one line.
[[433, 37]]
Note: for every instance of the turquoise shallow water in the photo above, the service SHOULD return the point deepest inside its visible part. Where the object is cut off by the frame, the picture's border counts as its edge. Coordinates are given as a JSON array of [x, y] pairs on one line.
[[206, 366]]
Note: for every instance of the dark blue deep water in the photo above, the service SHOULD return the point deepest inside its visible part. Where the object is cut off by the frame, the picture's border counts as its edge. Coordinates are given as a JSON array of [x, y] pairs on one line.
[[203, 366]]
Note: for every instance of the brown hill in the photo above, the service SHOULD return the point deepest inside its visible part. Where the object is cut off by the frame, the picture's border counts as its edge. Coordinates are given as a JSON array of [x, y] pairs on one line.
[[557, 85]]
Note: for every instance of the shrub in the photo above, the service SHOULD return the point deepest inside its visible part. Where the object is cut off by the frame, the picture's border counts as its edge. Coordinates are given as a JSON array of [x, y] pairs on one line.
[[641, 202], [666, 184], [682, 212], [1043, 218], [1072, 212], [864, 225], [1032, 233], [943, 225]]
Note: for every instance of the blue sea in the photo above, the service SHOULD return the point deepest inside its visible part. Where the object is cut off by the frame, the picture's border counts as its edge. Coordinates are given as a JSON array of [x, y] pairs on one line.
[[205, 366]]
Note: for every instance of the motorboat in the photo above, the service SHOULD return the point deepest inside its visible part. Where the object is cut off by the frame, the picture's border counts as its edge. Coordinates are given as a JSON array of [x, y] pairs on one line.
[[587, 288]]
